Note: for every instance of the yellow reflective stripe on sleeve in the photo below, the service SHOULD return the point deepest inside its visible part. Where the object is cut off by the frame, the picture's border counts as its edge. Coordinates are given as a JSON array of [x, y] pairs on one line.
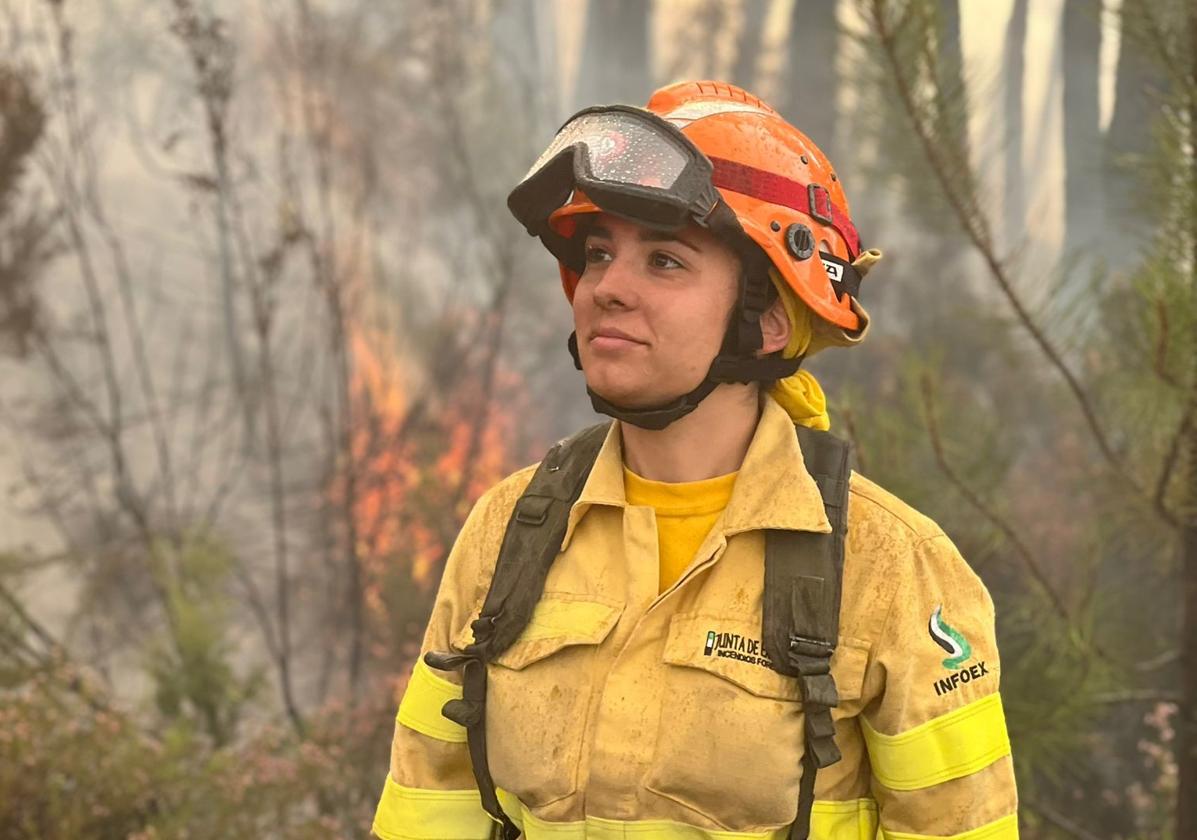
[[420, 708], [851, 820], [1004, 829], [854, 819], [947, 747], [422, 814]]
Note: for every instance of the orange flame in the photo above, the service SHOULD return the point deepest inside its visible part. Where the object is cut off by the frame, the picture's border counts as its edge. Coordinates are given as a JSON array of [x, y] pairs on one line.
[[417, 478]]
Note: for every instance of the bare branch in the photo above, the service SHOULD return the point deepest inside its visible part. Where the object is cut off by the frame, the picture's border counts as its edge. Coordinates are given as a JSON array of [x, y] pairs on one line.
[[1011, 535], [1165, 658], [1155, 40], [1135, 695], [1161, 346], [55, 656], [975, 227], [1058, 820], [1171, 458]]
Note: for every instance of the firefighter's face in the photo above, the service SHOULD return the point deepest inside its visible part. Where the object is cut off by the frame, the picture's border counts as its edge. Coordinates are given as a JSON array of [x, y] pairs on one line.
[[669, 294]]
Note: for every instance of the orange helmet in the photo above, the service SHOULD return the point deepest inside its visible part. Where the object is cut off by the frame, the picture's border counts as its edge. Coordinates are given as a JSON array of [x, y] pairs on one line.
[[712, 154], [780, 186]]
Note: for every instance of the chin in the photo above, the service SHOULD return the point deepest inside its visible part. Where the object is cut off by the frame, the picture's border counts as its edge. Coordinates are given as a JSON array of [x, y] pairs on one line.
[[634, 392], [623, 391]]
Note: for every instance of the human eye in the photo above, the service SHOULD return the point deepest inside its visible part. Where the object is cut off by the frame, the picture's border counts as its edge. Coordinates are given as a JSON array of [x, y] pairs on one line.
[[660, 259], [595, 254]]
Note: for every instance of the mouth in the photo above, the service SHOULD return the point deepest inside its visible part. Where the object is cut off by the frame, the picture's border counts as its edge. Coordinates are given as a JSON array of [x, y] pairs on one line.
[[608, 342], [613, 339], [614, 332]]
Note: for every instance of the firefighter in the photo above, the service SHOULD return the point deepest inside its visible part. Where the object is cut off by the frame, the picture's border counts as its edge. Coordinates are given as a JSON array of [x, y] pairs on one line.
[[693, 622]]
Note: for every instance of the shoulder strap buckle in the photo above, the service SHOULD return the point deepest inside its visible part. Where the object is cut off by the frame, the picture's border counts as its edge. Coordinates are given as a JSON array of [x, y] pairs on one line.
[[531, 542], [804, 646]]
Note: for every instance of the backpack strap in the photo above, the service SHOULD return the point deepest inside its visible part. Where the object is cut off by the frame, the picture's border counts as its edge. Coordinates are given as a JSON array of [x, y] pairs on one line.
[[531, 543], [803, 573], [801, 610]]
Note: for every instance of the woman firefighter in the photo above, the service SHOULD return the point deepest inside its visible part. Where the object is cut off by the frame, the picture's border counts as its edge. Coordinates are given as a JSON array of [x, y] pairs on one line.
[[694, 621]]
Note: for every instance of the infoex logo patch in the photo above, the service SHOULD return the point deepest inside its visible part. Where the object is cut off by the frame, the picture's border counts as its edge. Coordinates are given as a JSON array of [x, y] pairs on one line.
[[959, 651], [948, 638]]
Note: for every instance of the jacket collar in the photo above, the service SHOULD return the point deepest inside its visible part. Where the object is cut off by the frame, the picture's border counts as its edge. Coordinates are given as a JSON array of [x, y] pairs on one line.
[[773, 488]]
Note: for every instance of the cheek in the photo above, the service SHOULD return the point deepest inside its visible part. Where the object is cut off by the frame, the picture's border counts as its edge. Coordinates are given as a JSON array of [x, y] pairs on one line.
[[581, 308], [696, 328]]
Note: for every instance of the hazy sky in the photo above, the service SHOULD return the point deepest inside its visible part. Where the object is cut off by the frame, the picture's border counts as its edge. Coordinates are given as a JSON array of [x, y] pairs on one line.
[[983, 28]]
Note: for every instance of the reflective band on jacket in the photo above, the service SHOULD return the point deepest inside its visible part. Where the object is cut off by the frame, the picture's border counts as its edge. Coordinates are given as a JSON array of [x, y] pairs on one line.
[[418, 814], [947, 747], [853, 820], [420, 708], [1004, 829]]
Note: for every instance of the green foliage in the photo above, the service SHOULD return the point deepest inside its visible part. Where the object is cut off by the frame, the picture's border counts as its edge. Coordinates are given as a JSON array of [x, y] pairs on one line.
[[1078, 668], [193, 674], [1049, 686], [941, 192], [68, 771]]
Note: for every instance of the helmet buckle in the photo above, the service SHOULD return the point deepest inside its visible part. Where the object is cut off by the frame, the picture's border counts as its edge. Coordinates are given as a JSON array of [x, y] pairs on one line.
[[820, 213]]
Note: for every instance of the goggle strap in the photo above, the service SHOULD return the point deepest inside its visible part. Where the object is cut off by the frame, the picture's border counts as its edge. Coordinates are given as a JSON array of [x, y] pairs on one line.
[[568, 250], [811, 199]]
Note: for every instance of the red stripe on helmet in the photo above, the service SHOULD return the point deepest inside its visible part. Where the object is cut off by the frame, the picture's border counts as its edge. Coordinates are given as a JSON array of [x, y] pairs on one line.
[[777, 189]]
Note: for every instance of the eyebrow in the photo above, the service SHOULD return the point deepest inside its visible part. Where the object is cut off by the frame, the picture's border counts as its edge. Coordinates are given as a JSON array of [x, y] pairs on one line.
[[646, 235]]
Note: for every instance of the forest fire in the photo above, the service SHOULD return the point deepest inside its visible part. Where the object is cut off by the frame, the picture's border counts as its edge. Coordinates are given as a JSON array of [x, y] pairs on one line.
[[419, 461]]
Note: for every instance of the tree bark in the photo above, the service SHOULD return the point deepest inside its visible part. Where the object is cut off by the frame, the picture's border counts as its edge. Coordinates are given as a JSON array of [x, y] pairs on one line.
[[748, 45], [1136, 88], [1082, 129], [615, 66], [1186, 729], [1014, 60], [807, 95]]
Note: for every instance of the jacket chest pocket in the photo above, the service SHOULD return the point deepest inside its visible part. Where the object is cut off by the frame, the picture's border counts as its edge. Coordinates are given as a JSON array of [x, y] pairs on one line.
[[730, 739], [538, 693]]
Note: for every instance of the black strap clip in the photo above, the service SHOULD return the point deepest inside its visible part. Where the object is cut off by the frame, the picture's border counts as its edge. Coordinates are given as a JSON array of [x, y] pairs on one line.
[[484, 628], [806, 647], [816, 212], [447, 661]]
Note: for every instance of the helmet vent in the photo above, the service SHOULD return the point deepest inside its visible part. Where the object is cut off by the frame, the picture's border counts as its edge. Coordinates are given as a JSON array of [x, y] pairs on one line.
[[800, 241]]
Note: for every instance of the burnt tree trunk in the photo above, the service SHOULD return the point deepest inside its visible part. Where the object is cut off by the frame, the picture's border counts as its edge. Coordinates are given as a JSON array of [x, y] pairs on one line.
[[1013, 195], [1186, 730], [615, 64], [748, 45], [807, 93], [1082, 124], [1136, 102]]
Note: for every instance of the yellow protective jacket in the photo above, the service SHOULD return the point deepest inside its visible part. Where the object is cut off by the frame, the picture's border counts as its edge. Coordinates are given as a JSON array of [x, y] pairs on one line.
[[623, 713]]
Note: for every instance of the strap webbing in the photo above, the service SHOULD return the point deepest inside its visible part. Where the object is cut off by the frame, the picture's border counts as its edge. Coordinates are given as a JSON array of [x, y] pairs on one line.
[[812, 199], [533, 538], [803, 577], [803, 573]]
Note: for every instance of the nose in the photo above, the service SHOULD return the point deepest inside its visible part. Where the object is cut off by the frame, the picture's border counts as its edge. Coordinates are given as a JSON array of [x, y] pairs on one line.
[[617, 284]]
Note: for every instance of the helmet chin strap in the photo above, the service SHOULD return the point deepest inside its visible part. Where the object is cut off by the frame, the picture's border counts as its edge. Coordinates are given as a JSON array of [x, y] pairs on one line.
[[735, 362]]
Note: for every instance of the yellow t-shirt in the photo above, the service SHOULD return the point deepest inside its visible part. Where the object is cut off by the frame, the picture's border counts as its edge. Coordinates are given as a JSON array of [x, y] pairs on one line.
[[685, 513]]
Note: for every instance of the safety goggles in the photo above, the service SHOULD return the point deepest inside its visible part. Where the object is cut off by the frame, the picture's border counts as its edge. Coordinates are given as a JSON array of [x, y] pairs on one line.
[[627, 160]]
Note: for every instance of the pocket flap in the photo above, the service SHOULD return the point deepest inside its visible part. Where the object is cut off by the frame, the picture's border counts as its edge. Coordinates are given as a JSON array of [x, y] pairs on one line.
[[732, 648], [558, 620]]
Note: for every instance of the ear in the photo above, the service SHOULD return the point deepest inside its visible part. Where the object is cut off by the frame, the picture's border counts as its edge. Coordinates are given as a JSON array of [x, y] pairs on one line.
[[775, 328]]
